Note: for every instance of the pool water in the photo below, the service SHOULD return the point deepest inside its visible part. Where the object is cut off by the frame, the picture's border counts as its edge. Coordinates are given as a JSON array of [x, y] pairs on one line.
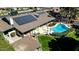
[[60, 28]]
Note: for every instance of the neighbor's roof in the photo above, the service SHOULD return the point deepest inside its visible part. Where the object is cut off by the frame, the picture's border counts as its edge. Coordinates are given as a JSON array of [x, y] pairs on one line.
[[42, 19], [76, 23], [4, 26]]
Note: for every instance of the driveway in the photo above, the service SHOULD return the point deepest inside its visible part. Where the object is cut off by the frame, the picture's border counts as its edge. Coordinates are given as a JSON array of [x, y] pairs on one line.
[[26, 44]]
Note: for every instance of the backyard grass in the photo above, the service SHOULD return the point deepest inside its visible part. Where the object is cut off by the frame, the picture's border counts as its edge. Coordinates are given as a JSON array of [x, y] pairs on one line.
[[72, 34], [44, 39], [4, 44]]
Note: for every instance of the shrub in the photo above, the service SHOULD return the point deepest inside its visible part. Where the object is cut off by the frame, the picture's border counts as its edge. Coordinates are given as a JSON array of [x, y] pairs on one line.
[[13, 34]]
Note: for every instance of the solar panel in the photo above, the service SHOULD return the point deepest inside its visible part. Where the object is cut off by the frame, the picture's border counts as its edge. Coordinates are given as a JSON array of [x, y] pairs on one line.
[[24, 19]]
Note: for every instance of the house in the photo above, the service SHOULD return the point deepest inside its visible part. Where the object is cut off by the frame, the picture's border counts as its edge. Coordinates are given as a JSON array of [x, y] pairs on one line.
[[18, 28], [76, 26]]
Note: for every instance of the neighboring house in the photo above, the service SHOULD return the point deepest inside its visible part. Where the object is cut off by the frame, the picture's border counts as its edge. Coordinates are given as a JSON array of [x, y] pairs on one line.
[[76, 26], [17, 28]]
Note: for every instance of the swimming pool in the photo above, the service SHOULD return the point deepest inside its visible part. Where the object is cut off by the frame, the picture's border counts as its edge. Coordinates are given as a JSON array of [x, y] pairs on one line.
[[58, 28]]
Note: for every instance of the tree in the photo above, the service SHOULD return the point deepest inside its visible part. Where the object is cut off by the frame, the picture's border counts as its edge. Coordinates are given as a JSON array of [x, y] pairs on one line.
[[64, 44], [70, 12], [34, 9]]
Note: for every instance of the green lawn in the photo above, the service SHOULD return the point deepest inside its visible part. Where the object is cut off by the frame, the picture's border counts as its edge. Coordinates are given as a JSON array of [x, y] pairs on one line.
[[4, 44], [72, 34], [44, 39]]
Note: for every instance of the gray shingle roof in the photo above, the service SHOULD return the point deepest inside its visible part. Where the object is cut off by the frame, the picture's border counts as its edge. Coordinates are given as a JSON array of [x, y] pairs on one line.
[[76, 23], [42, 19], [4, 26]]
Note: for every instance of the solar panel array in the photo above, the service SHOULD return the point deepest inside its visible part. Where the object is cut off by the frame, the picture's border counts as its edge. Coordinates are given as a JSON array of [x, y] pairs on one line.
[[24, 19]]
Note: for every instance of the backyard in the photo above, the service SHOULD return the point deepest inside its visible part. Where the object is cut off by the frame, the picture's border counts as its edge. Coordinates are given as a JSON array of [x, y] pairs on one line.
[[4, 44], [50, 43], [44, 39], [72, 34]]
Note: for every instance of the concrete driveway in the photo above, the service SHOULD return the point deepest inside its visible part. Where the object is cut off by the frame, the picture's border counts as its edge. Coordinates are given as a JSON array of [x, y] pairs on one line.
[[26, 44]]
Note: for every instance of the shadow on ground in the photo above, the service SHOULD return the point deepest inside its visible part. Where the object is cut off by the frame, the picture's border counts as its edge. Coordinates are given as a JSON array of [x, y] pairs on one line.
[[64, 44]]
